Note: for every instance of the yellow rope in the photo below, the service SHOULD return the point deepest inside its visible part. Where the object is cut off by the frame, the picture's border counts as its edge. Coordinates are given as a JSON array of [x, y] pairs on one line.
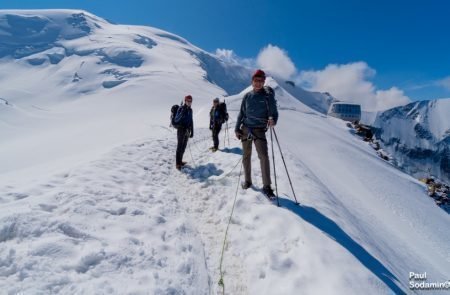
[[221, 281]]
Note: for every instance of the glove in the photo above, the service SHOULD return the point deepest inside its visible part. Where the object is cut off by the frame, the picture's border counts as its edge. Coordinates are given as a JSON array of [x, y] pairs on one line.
[[192, 135]]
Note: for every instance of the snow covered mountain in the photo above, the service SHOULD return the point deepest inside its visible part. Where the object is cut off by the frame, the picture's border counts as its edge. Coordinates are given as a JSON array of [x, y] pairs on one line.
[[91, 202], [74, 69], [418, 135], [317, 101]]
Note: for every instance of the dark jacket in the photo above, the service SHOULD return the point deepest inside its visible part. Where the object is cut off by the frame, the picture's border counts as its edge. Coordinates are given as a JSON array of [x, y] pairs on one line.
[[184, 119], [256, 108], [217, 116]]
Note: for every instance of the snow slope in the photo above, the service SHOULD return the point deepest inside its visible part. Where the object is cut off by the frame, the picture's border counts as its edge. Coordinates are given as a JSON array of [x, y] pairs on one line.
[[91, 202], [418, 135], [74, 69]]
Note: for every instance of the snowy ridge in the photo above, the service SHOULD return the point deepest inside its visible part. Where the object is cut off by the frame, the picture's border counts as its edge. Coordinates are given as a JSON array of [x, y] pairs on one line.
[[91, 201]]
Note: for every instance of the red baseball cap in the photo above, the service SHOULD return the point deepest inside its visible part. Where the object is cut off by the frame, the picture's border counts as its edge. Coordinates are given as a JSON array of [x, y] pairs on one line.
[[259, 73]]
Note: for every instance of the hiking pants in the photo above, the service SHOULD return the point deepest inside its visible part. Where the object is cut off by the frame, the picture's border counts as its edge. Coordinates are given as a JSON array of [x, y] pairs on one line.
[[183, 137], [259, 138], [215, 134]]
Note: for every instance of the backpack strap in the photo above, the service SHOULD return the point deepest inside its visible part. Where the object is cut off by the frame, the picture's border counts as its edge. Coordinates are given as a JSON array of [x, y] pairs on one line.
[[268, 91]]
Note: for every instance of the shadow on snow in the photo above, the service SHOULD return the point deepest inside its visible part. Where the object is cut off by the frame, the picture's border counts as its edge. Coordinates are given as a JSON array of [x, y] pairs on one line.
[[202, 172], [332, 230], [235, 150]]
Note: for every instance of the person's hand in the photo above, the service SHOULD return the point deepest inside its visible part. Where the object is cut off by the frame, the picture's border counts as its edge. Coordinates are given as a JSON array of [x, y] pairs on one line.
[[271, 122], [192, 135], [238, 134]]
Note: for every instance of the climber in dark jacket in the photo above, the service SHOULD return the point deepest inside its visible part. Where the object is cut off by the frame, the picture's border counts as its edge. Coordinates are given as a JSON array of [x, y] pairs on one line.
[[217, 116], [185, 130], [258, 113]]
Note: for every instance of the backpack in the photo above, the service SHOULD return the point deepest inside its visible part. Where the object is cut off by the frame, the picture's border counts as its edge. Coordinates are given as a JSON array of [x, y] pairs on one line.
[[223, 112], [269, 92], [173, 114]]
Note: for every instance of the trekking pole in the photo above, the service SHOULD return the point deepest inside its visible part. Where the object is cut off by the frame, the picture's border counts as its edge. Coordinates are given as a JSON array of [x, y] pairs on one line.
[[284, 162], [189, 146], [193, 161], [228, 133], [274, 170], [196, 146], [225, 138]]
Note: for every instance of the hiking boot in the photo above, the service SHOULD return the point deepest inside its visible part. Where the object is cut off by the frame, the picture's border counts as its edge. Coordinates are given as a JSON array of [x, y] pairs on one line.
[[183, 164], [178, 166], [213, 149], [246, 184], [267, 190]]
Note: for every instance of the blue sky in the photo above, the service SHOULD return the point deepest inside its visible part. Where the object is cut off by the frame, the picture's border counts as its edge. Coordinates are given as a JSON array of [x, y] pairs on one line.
[[406, 42]]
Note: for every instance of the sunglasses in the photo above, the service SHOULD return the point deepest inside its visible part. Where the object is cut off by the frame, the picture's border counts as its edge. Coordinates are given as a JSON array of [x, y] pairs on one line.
[[258, 80]]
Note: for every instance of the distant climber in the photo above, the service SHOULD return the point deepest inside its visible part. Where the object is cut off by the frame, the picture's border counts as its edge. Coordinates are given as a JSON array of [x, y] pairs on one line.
[[184, 123], [258, 113], [217, 116]]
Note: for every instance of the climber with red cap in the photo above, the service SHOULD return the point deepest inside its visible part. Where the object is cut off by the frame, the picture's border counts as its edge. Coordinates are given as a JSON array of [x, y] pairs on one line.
[[258, 112], [185, 129]]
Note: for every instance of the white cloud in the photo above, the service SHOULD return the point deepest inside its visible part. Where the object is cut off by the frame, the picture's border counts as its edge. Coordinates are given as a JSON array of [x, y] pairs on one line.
[[347, 82], [276, 62], [351, 82], [343, 81], [444, 82], [390, 98]]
